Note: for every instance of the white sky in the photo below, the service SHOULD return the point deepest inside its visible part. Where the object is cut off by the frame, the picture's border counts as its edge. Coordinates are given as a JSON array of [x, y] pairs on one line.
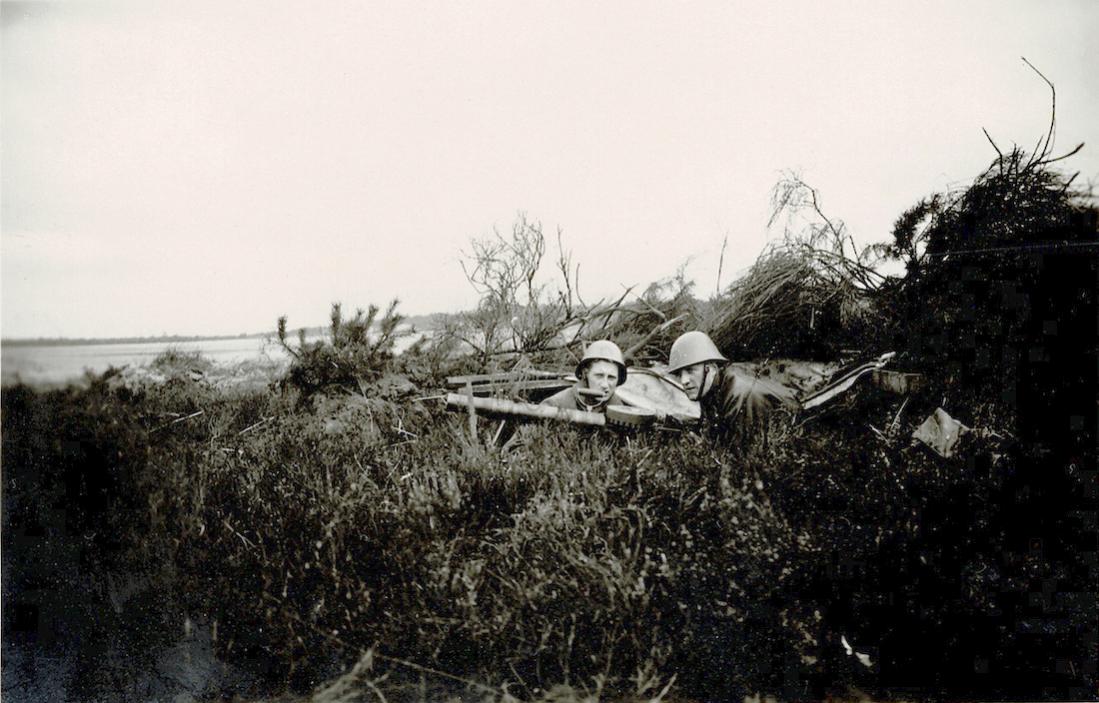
[[202, 168]]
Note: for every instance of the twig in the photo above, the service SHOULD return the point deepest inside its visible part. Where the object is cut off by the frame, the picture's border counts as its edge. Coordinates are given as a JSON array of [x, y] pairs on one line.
[[629, 353], [1064, 156], [395, 660], [180, 419], [522, 681], [820, 213], [374, 688], [244, 539], [664, 691], [496, 436], [611, 310], [1052, 114], [721, 264], [649, 305], [1068, 183], [896, 424], [254, 426], [1000, 153], [436, 672], [564, 262]]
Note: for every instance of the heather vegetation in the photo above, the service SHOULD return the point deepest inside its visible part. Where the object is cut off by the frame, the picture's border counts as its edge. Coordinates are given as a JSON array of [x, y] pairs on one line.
[[339, 535]]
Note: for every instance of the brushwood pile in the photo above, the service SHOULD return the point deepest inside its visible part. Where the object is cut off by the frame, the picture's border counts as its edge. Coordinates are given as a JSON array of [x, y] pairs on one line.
[[336, 533]]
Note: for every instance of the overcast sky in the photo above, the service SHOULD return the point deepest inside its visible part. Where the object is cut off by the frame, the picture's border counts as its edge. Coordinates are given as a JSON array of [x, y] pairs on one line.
[[202, 168]]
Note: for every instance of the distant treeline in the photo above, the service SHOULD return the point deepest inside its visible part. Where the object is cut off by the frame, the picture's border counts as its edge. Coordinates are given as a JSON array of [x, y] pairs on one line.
[[420, 322], [73, 341]]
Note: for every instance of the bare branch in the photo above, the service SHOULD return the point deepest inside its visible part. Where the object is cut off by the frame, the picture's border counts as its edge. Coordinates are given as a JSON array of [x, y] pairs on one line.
[[721, 264], [998, 152], [655, 310], [581, 300], [564, 265], [820, 213], [1064, 156], [632, 351], [1052, 112], [611, 310]]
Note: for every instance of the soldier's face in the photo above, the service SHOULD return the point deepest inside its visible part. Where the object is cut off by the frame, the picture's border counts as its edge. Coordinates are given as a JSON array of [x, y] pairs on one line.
[[602, 376], [695, 380]]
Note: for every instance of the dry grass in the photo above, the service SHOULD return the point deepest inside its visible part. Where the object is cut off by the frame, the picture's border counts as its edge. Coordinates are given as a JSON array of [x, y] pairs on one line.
[[793, 302]]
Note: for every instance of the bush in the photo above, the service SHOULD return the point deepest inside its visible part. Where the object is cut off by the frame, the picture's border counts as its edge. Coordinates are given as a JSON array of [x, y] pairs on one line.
[[176, 362], [350, 359], [991, 271], [74, 517], [811, 295]]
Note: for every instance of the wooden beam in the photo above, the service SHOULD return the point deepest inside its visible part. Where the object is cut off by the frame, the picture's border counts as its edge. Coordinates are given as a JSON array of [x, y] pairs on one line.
[[488, 388], [503, 376], [472, 411]]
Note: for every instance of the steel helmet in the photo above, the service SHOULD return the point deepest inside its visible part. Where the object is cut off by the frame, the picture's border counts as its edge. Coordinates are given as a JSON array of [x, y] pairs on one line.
[[604, 350], [692, 348]]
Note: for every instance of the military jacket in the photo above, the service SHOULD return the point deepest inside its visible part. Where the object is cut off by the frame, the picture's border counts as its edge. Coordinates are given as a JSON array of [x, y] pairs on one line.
[[739, 402]]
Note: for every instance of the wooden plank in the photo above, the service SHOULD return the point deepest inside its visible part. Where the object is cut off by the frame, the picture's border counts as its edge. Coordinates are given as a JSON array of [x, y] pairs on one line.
[[897, 381], [472, 412], [503, 376], [499, 429], [488, 388]]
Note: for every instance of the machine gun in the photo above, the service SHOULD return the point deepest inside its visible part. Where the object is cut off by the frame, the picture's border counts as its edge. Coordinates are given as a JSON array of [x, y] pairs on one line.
[[655, 401]]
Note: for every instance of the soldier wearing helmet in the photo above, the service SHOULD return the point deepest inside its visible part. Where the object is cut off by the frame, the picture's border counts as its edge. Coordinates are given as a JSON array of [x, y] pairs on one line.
[[730, 398], [600, 371]]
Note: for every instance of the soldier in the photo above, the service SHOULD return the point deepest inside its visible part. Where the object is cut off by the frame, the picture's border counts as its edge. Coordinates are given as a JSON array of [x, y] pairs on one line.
[[600, 371], [730, 399]]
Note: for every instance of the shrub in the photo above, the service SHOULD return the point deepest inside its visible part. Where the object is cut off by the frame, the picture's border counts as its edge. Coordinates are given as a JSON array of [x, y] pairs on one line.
[[811, 295], [349, 359], [991, 270], [175, 362]]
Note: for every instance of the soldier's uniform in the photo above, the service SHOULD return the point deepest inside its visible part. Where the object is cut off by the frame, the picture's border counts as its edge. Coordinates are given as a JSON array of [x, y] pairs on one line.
[[732, 400], [570, 398], [739, 402]]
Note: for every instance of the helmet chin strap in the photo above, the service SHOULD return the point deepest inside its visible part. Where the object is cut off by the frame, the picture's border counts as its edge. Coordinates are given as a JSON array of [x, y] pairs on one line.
[[588, 404], [702, 389]]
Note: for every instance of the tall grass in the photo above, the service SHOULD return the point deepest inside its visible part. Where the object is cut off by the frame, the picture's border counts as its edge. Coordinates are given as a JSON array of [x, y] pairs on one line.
[[602, 563], [580, 562]]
